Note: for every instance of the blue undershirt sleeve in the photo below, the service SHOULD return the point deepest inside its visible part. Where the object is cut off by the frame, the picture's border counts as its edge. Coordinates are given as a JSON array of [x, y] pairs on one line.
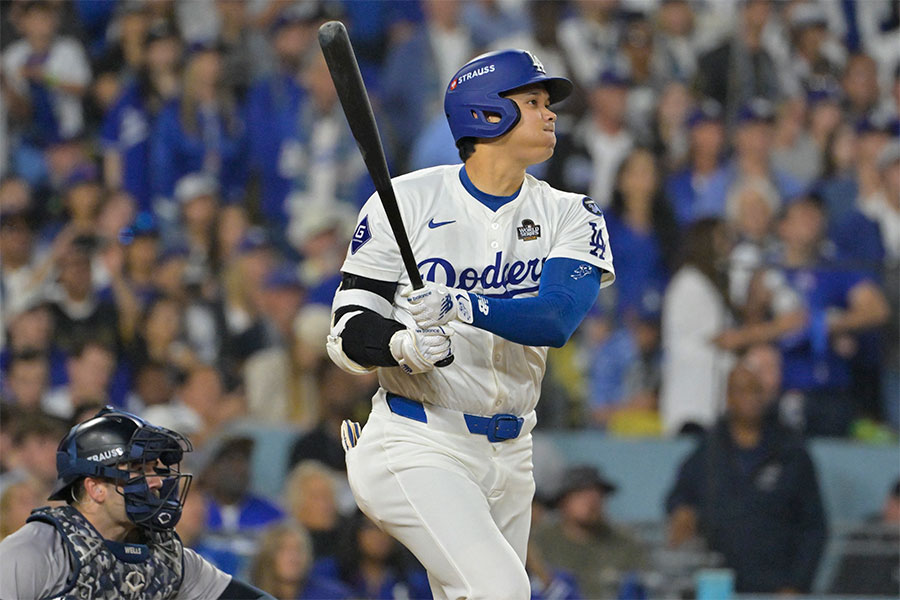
[[568, 289]]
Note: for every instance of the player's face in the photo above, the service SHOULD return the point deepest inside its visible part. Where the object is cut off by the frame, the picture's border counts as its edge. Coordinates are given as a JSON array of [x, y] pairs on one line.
[[534, 136]]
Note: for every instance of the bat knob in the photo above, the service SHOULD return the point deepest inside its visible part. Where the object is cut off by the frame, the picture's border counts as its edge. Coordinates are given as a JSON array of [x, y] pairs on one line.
[[444, 362]]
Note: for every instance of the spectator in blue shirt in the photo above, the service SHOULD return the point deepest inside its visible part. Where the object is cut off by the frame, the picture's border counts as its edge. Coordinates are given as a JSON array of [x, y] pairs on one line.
[[200, 131], [236, 516], [282, 567], [272, 115], [814, 308], [699, 189], [125, 133], [750, 490]]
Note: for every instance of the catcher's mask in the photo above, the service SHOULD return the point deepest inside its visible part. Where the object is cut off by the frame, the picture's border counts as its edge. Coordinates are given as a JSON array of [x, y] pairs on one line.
[[122, 447]]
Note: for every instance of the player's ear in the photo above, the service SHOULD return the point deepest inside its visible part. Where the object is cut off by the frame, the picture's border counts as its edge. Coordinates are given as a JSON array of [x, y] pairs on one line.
[[95, 489]]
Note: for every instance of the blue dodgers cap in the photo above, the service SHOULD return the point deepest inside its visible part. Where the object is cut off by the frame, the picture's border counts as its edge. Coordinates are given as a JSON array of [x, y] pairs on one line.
[[477, 89], [144, 225], [614, 76], [173, 252], [708, 111], [282, 277], [83, 173], [874, 123], [254, 239], [823, 89], [757, 110]]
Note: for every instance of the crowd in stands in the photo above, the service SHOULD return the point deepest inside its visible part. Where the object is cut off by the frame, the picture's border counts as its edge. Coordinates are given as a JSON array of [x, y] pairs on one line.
[[179, 187]]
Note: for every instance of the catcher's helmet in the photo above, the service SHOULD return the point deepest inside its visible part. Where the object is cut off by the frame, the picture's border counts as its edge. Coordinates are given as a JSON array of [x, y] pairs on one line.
[[120, 446], [477, 89]]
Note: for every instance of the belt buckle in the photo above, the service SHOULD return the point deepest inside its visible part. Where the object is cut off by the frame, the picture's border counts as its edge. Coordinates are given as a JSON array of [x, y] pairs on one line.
[[503, 427]]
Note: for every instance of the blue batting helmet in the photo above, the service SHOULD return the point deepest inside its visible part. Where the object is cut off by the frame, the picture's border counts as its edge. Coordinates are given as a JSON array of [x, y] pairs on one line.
[[476, 91], [120, 446]]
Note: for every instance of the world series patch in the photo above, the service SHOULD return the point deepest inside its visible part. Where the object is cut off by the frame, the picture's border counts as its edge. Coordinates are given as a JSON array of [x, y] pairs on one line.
[[528, 231]]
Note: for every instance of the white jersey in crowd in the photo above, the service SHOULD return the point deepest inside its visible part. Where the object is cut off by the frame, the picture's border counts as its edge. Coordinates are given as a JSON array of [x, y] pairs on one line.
[[460, 242]]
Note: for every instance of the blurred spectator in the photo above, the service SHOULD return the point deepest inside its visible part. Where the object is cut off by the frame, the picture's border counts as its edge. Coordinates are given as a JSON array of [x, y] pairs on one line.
[[153, 386], [201, 407], [586, 160], [793, 148], [700, 188], [325, 166], [79, 311], [583, 541], [235, 516], [374, 565], [750, 490], [198, 197], [321, 237], [815, 57], [282, 566], [695, 309], [640, 221], [126, 128], [417, 68], [272, 114], [676, 48], [668, 135], [21, 276], [141, 247], [284, 382], [27, 380], [741, 68], [814, 311], [860, 85], [838, 186], [310, 498], [764, 361], [340, 397], [235, 33], [161, 339], [753, 135], [17, 501], [200, 131], [90, 367], [489, 20], [751, 207], [868, 564], [590, 36], [31, 331], [33, 453], [45, 75]]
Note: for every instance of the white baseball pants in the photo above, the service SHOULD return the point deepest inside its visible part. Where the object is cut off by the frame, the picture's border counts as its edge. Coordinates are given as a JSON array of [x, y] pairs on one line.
[[460, 503]]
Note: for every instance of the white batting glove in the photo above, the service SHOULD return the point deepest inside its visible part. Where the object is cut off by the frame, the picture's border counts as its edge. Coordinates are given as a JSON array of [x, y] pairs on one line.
[[417, 350], [437, 305]]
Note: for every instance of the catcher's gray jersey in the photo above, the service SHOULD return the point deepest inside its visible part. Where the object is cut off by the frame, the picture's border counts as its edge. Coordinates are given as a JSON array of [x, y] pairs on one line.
[[35, 564]]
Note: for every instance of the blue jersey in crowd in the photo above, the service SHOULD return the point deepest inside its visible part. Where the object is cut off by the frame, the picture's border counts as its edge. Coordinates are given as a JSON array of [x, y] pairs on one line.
[[126, 130]]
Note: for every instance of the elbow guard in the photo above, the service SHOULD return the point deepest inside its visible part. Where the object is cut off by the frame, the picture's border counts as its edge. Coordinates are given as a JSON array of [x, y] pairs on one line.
[[334, 345]]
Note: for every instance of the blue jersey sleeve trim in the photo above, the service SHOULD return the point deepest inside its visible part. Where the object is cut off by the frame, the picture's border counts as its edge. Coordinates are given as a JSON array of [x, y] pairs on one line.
[[568, 289]]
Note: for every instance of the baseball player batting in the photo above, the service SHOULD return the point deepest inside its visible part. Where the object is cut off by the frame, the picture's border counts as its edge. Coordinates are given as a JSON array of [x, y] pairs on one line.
[[511, 266], [114, 539]]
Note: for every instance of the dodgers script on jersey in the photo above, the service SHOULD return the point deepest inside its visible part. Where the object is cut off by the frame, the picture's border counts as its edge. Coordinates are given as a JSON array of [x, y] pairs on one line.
[[460, 242]]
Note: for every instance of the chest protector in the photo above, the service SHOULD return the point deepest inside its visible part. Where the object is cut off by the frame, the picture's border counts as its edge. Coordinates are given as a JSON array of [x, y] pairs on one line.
[[98, 574]]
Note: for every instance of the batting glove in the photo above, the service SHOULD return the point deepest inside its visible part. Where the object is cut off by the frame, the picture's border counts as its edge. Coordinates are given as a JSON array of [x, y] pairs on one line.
[[417, 350], [437, 305]]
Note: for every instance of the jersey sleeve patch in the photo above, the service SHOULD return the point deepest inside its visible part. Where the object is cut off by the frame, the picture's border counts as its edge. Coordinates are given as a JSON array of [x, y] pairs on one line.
[[362, 235], [591, 206]]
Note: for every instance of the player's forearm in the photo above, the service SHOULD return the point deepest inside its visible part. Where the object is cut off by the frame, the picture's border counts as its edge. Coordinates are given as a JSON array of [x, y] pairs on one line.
[[551, 317]]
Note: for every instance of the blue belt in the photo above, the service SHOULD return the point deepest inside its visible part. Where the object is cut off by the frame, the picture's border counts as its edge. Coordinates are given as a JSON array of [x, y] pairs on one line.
[[497, 428]]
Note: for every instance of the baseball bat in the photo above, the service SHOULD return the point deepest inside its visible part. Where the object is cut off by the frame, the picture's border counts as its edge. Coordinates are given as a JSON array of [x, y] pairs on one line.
[[351, 91]]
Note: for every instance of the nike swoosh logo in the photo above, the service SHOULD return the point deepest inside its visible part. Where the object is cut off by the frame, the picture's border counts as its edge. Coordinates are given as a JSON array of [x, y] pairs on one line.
[[433, 225]]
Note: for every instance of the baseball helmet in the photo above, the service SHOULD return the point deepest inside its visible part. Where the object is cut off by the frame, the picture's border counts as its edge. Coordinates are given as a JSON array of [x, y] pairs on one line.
[[476, 91], [120, 446]]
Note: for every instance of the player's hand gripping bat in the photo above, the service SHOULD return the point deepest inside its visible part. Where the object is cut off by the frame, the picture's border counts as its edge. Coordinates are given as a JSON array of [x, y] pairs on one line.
[[351, 91]]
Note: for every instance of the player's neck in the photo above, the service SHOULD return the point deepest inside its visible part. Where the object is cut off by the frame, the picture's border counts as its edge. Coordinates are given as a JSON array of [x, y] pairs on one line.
[[108, 528], [494, 175]]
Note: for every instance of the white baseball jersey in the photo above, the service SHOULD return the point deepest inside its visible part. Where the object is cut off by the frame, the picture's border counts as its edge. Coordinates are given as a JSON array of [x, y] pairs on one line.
[[460, 242]]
